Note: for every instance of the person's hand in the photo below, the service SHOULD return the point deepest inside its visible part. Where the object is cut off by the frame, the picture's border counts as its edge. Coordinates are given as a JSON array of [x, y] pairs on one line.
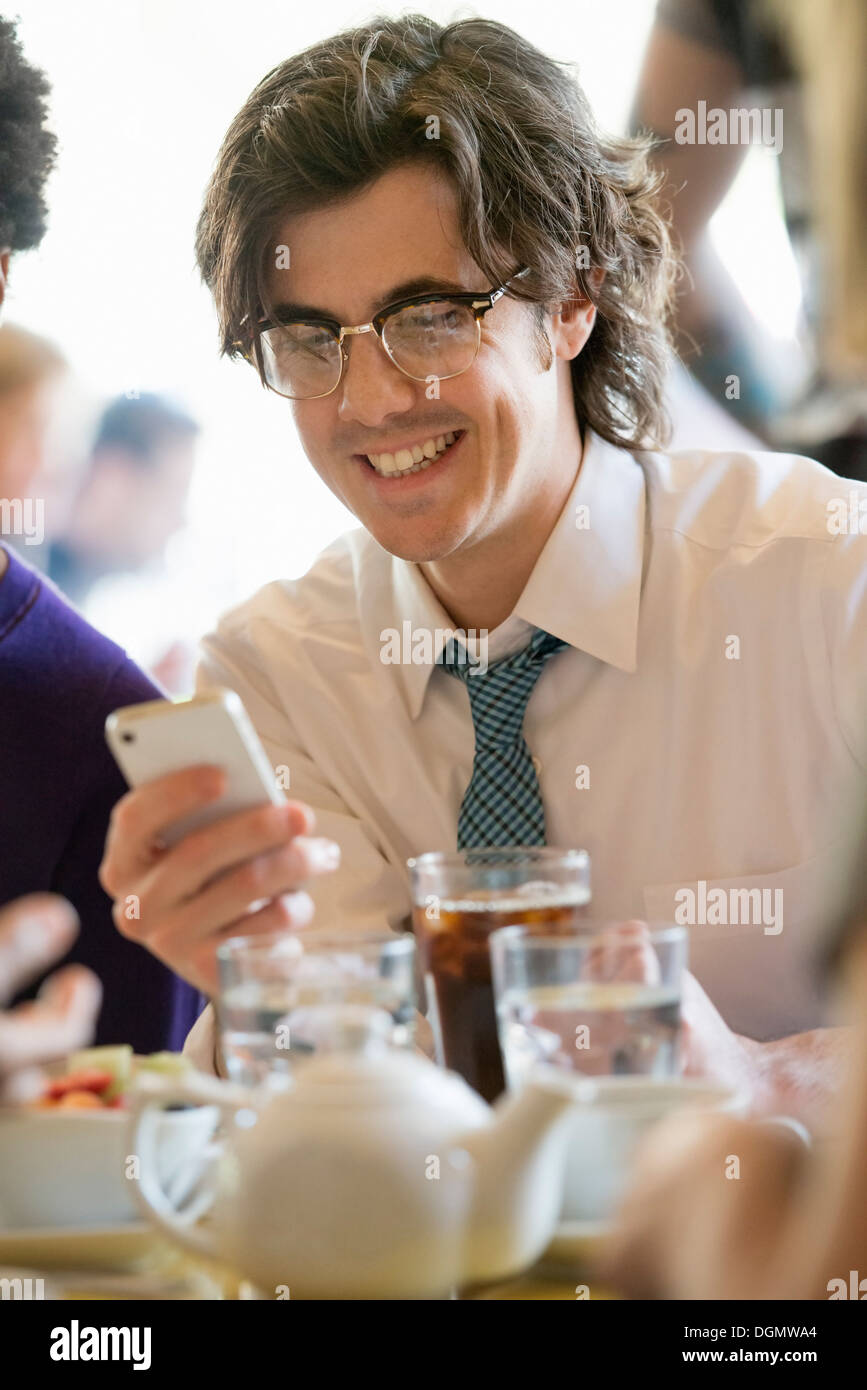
[[709, 1048], [239, 876], [34, 931], [705, 1216]]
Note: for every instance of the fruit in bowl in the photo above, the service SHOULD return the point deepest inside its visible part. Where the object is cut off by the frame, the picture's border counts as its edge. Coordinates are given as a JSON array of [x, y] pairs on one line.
[[99, 1078], [65, 1160]]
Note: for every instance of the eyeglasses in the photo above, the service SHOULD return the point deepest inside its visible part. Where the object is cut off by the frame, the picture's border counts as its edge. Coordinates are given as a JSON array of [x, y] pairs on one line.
[[430, 336]]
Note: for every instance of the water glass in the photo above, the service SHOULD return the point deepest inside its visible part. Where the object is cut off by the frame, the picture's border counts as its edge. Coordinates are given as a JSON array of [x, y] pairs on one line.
[[602, 1000], [281, 997]]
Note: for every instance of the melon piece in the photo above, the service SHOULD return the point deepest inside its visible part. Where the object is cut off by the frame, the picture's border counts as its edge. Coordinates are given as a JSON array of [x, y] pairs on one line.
[[116, 1060], [172, 1064]]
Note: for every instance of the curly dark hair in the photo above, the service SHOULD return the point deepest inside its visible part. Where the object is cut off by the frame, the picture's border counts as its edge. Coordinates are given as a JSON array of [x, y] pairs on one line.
[[27, 149], [536, 181]]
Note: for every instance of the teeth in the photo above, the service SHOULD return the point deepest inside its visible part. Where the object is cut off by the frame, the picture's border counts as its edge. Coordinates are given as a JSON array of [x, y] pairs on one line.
[[413, 460]]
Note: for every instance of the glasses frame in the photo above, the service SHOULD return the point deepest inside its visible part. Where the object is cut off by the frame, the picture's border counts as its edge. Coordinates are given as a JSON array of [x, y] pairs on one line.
[[479, 303]]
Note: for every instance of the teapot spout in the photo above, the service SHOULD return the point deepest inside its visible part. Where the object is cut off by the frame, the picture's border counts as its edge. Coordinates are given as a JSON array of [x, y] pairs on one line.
[[520, 1160]]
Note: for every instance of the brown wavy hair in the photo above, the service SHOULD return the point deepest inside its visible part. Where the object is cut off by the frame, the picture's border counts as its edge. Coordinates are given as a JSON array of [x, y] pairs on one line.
[[536, 182]]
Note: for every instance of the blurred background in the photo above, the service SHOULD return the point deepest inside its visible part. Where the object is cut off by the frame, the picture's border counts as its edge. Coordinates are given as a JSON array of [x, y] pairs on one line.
[[174, 484]]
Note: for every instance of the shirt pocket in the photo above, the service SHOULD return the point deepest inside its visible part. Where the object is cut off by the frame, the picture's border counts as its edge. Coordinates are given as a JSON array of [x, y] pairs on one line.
[[757, 955]]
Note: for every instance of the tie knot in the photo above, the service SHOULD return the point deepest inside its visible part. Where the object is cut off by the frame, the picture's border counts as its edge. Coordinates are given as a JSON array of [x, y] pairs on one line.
[[499, 695]]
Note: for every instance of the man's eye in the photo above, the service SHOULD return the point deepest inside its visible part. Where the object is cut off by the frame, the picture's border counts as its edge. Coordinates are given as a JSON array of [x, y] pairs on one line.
[[305, 343], [436, 316]]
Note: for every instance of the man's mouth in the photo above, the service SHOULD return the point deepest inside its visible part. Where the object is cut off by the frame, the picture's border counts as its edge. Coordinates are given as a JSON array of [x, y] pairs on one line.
[[415, 458]]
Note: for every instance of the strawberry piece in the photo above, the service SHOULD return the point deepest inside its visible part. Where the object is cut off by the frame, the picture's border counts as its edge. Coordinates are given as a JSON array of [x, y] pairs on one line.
[[89, 1080]]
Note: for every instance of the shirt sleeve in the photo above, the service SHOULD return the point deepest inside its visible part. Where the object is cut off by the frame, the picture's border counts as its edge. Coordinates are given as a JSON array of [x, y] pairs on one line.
[[843, 597]]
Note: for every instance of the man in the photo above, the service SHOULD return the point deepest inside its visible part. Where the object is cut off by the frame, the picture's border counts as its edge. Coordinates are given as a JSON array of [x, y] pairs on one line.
[[696, 694], [133, 497], [59, 679]]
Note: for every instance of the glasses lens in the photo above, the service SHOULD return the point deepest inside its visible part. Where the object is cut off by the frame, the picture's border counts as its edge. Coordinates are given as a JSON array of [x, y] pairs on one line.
[[436, 339], [300, 359]]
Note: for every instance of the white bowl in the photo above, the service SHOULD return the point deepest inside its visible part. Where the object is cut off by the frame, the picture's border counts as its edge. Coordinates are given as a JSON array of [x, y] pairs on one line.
[[614, 1114], [73, 1168]]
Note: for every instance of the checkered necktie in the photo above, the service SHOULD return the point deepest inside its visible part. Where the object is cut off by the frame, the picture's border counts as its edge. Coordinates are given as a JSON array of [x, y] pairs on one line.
[[502, 804]]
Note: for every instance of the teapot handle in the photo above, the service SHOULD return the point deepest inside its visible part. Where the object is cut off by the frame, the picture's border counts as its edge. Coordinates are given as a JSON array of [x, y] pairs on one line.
[[151, 1095]]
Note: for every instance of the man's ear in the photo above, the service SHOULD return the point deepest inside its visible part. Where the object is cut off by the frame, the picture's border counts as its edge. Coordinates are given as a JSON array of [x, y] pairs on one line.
[[5, 253], [572, 321]]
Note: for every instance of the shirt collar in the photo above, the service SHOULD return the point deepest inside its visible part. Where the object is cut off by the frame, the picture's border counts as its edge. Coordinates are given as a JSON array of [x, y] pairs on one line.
[[585, 586]]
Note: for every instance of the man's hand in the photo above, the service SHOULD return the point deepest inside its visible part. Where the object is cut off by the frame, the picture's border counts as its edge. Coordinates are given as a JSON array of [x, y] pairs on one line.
[[239, 876], [711, 1049], [34, 931]]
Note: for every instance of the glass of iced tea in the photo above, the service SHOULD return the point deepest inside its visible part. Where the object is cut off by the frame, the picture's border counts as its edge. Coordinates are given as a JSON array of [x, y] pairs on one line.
[[458, 900]]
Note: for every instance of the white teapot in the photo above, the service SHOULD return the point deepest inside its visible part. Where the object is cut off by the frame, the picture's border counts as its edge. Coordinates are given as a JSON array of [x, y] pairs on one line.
[[375, 1175]]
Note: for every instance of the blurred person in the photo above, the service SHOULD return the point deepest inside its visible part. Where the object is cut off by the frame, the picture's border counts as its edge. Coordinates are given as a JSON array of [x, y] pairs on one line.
[[794, 1224], [700, 630], [59, 679], [737, 56], [133, 495], [34, 932], [30, 368]]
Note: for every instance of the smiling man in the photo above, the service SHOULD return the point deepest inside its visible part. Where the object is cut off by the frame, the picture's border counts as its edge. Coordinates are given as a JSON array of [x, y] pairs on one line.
[[419, 239]]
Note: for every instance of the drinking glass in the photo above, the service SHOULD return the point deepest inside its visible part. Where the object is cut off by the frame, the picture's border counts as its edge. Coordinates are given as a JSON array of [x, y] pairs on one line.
[[278, 993], [603, 1000], [459, 899]]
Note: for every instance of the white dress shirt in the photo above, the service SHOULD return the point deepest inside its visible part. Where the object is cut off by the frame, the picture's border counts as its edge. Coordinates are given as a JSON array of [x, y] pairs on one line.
[[712, 689]]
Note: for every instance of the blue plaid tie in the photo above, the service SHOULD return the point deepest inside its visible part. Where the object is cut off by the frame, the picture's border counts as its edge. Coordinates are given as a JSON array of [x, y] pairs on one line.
[[502, 804]]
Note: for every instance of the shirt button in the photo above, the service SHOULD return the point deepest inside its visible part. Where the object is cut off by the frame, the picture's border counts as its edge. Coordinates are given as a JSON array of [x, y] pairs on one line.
[[537, 764]]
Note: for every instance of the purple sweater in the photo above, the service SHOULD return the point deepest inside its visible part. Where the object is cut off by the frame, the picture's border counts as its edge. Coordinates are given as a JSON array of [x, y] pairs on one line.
[[59, 678]]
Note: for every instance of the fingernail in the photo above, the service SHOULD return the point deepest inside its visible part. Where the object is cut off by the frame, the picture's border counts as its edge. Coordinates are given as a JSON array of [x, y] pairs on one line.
[[325, 853]]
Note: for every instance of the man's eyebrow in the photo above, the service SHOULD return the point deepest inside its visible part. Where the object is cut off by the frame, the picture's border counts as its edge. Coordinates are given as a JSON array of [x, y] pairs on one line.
[[427, 284]]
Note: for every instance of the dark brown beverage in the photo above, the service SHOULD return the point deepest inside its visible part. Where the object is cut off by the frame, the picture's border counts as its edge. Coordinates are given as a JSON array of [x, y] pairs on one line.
[[452, 938]]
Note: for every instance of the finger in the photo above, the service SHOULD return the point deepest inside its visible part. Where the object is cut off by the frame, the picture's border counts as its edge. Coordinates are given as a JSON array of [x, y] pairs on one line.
[[207, 854], [292, 912], [623, 951], [140, 817], [265, 877], [59, 1021], [34, 932], [164, 925]]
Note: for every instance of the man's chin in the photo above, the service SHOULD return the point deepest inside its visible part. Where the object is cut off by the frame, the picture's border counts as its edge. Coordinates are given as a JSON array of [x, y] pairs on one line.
[[418, 545]]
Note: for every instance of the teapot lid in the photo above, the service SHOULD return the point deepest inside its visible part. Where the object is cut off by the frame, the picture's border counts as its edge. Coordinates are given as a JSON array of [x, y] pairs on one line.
[[355, 1065]]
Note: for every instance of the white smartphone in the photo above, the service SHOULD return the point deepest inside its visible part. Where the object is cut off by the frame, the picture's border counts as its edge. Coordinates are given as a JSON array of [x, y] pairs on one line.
[[163, 736]]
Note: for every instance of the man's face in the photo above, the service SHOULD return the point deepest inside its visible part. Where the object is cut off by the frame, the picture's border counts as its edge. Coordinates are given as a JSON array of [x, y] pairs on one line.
[[347, 261]]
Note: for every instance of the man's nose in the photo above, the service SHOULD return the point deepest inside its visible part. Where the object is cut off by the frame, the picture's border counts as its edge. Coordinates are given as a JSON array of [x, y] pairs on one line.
[[372, 387]]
